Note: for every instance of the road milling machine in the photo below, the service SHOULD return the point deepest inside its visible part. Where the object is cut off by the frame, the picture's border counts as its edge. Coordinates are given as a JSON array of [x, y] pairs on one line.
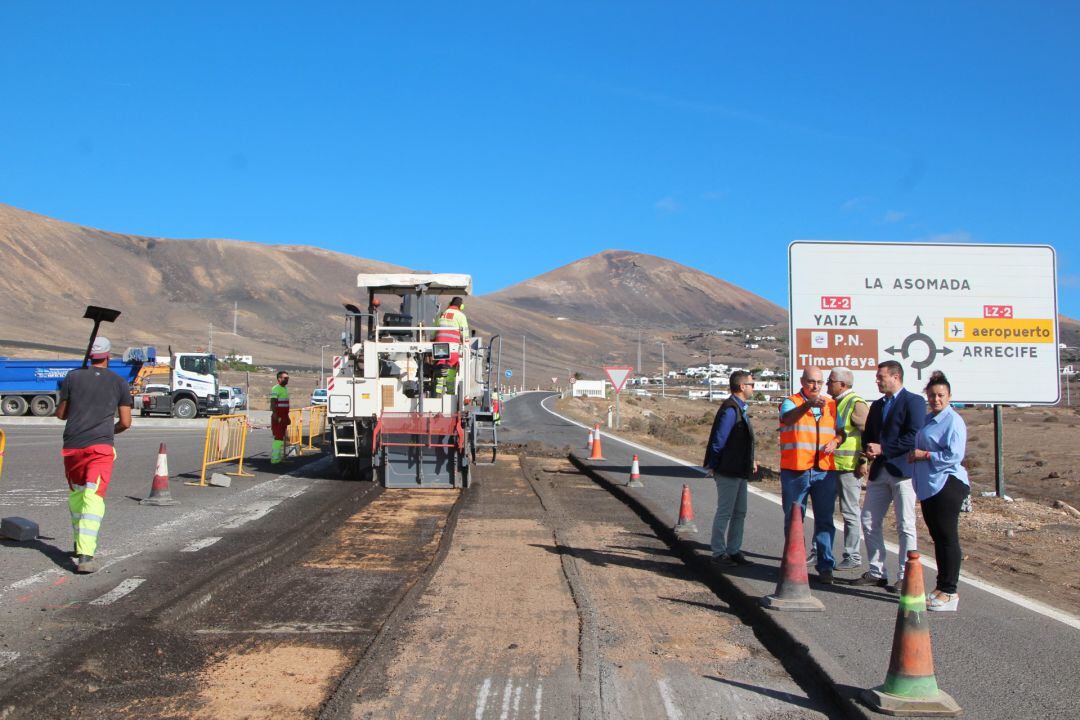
[[388, 420]]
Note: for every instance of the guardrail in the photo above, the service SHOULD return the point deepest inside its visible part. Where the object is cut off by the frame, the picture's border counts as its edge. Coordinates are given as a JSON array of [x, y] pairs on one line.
[[226, 440]]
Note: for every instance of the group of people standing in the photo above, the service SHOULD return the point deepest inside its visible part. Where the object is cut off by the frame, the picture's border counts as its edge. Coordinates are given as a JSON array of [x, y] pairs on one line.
[[904, 448]]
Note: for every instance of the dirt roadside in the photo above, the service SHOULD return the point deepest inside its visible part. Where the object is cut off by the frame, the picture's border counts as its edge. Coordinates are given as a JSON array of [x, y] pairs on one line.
[[1026, 545]]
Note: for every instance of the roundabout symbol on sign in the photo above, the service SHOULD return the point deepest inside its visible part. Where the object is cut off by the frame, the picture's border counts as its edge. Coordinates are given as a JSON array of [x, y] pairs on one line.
[[932, 350]]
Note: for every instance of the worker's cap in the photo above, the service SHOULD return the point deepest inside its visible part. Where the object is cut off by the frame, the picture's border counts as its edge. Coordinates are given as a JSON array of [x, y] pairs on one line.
[[100, 349]]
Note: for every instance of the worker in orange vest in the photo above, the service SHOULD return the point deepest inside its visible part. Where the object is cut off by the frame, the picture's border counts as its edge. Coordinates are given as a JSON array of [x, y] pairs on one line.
[[808, 438]]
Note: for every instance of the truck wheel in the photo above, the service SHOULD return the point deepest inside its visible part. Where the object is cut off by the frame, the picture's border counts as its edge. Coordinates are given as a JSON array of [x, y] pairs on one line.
[[13, 405], [43, 405], [185, 409]]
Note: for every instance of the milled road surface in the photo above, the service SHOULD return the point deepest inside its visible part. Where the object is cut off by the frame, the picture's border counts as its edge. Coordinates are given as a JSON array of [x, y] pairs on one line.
[[556, 601], [550, 599]]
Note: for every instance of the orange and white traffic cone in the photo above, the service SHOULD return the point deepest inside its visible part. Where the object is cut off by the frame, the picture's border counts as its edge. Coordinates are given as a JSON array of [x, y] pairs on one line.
[[635, 475], [686, 513], [597, 450], [159, 488], [588, 444], [910, 685], [793, 590]]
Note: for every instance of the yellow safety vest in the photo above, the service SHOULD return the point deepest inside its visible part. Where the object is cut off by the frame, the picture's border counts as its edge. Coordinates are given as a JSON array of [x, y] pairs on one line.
[[847, 455]]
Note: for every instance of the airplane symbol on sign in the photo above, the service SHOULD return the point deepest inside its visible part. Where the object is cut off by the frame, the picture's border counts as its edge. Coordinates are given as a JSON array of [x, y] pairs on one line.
[[957, 330]]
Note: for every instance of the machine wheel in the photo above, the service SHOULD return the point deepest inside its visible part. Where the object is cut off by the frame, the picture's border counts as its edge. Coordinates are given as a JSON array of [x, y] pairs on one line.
[[354, 469], [43, 405], [13, 405], [185, 409]]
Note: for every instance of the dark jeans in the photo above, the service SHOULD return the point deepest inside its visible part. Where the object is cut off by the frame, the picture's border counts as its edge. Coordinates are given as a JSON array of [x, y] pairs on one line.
[[942, 515]]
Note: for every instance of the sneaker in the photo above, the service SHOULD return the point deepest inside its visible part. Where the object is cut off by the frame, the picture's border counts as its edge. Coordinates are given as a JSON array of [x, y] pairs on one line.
[[811, 557], [849, 563], [867, 579], [943, 602], [86, 564], [825, 577], [739, 559], [721, 561]]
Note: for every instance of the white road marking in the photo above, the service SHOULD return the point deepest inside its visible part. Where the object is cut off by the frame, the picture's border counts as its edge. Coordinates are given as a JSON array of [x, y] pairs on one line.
[[1008, 595], [258, 509], [482, 698], [517, 699], [539, 701], [670, 707], [287, 629], [506, 699], [7, 657], [119, 591], [198, 545], [32, 580]]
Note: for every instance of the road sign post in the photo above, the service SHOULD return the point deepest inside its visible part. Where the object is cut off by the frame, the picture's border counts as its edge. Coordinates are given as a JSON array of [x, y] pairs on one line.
[[618, 376], [985, 315]]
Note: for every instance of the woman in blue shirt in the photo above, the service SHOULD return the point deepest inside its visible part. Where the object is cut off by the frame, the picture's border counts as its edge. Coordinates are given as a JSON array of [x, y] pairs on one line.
[[941, 484]]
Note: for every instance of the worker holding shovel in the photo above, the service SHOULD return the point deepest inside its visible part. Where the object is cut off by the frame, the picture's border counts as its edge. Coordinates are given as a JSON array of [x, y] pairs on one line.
[[90, 400]]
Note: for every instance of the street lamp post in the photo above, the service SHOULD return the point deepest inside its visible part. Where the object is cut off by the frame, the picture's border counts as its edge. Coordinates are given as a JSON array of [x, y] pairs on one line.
[[322, 366]]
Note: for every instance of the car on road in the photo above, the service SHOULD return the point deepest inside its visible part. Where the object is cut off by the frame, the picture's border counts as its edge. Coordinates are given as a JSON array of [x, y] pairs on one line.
[[141, 400], [318, 396], [232, 399]]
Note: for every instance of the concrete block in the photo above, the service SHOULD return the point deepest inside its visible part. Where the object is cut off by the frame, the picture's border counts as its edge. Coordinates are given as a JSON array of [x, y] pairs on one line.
[[220, 480], [19, 528]]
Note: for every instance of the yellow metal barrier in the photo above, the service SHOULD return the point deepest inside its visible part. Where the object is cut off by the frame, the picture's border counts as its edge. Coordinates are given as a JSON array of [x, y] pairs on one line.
[[3, 444], [316, 425], [294, 434], [226, 440]]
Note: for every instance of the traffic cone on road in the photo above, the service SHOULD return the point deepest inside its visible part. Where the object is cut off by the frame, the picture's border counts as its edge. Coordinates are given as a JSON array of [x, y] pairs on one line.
[[635, 475], [793, 590], [910, 686], [159, 488], [588, 445], [597, 450], [686, 513]]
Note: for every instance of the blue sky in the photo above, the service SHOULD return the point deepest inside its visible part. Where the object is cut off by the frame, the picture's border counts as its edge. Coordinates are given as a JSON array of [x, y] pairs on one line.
[[507, 139]]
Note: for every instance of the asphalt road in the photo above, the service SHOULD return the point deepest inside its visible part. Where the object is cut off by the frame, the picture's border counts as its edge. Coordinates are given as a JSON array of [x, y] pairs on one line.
[[139, 545], [999, 658]]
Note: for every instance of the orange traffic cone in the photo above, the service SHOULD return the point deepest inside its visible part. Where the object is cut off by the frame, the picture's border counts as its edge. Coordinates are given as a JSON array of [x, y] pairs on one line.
[[793, 590], [910, 686], [159, 488], [597, 451], [590, 441], [686, 513], [635, 475]]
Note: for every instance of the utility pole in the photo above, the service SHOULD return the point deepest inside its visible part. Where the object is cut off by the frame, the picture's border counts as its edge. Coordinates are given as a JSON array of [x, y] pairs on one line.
[[210, 347], [663, 372], [234, 317], [522, 363], [639, 353], [322, 372], [708, 374]]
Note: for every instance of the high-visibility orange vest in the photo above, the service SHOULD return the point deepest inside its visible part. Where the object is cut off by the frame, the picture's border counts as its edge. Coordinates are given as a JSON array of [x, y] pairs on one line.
[[801, 443]]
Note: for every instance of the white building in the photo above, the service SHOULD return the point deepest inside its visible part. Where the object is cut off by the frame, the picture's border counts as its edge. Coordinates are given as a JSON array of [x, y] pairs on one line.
[[590, 388]]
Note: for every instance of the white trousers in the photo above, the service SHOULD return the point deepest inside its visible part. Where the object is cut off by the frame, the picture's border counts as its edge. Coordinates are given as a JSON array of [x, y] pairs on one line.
[[880, 492]]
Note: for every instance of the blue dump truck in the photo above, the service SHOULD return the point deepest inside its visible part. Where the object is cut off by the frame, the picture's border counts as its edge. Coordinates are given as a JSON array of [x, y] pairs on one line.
[[34, 385]]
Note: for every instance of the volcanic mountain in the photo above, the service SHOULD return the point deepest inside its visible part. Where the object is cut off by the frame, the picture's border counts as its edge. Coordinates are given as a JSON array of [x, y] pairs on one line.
[[621, 288], [288, 300]]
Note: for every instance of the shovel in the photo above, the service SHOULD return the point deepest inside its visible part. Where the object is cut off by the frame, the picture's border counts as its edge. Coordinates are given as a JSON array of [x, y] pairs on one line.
[[98, 315]]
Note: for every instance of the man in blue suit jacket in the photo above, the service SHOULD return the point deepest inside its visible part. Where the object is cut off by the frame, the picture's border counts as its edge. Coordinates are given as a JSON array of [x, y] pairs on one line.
[[891, 426]]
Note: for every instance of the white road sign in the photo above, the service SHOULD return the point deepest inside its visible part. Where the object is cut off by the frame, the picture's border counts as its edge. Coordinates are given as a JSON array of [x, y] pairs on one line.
[[618, 376], [985, 315]]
